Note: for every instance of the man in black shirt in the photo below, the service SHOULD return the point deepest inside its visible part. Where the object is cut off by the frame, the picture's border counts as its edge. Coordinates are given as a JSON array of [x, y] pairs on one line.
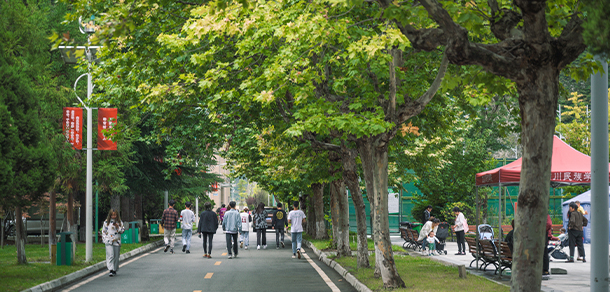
[[427, 214], [278, 223]]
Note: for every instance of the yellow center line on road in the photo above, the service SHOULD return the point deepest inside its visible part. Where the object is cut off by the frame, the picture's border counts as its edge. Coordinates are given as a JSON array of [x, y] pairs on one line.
[[224, 254], [208, 276], [102, 274], [217, 263]]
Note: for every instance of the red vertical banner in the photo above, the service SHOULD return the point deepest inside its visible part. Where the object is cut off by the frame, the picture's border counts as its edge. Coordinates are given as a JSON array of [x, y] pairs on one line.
[[106, 119], [73, 126]]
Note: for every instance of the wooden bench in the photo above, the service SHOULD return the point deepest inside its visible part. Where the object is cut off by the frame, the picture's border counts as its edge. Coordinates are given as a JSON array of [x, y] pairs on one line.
[[556, 228], [474, 251], [488, 254], [505, 258]]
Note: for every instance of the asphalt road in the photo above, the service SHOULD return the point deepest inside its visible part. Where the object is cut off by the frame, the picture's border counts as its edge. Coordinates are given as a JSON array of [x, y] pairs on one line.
[[253, 270]]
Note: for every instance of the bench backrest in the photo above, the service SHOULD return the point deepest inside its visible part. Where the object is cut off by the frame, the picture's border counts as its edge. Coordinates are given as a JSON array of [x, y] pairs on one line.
[[505, 253], [487, 248], [472, 245]]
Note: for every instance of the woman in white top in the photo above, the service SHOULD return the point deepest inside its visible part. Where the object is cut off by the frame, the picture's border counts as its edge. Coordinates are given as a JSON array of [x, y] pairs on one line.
[[459, 229], [111, 237], [431, 225]]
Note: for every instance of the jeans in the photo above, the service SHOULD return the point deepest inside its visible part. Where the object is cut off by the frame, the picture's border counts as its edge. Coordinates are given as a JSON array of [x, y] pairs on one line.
[[297, 238], [261, 233], [207, 247], [113, 253], [169, 236], [461, 241], [186, 238], [279, 232], [576, 240], [232, 242], [245, 238]]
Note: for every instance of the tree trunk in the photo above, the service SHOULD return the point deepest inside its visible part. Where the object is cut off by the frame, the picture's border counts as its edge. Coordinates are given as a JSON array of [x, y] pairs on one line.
[[82, 232], [52, 219], [115, 203], [339, 209], [20, 237], [138, 207], [311, 223], [374, 156], [348, 158], [537, 101], [318, 201], [125, 209], [2, 230]]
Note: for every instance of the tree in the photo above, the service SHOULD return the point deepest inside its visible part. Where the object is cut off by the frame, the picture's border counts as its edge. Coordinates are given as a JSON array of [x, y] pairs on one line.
[[532, 43], [596, 27]]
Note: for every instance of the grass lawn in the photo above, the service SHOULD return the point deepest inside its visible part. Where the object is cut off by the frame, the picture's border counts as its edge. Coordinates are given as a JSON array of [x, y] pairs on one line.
[[38, 270], [324, 244], [422, 274]]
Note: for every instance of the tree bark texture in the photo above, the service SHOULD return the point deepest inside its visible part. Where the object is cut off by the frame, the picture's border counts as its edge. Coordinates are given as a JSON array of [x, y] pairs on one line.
[[374, 155], [537, 101], [339, 207], [125, 208], [138, 206], [320, 221], [350, 175], [52, 219], [82, 198], [115, 203], [20, 236], [311, 224]]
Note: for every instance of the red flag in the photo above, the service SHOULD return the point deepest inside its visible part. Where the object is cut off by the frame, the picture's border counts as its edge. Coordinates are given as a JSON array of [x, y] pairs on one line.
[[106, 119], [73, 126]]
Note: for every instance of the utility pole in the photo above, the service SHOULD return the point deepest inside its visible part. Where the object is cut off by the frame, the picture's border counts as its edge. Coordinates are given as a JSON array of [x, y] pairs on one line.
[[599, 179]]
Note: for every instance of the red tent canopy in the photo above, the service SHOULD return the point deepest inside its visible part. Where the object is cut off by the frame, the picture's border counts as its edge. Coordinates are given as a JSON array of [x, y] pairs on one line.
[[568, 167]]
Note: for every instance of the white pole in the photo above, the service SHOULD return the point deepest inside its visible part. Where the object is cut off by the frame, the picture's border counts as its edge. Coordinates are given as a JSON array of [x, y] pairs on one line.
[[89, 191], [165, 200], [599, 179], [197, 209]]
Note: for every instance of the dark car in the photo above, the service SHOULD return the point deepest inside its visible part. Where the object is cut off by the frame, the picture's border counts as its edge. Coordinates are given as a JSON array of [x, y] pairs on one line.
[[269, 219]]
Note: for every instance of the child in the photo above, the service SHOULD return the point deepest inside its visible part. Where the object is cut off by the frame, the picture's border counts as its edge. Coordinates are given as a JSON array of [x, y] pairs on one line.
[[431, 243], [563, 234], [111, 237], [245, 228], [188, 218]]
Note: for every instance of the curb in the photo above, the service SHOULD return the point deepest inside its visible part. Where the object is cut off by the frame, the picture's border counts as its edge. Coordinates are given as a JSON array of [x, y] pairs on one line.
[[322, 256], [70, 278]]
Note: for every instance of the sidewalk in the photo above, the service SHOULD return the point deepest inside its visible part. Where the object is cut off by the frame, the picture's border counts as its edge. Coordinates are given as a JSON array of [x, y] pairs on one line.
[[577, 279]]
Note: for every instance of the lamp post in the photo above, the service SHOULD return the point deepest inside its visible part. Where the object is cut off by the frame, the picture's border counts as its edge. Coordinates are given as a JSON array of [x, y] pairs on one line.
[[71, 59]]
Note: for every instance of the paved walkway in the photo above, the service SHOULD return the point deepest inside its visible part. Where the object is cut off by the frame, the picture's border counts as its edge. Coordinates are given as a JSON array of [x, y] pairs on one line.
[[577, 279], [253, 270]]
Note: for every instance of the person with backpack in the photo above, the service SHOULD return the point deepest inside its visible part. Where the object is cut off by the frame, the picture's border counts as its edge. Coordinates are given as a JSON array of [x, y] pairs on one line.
[[575, 234], [260, 224], [460, 228], [208, 224], [279, 222]]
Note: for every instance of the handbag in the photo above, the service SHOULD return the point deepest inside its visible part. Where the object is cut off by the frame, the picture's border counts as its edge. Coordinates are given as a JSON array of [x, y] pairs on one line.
[[585, 221]]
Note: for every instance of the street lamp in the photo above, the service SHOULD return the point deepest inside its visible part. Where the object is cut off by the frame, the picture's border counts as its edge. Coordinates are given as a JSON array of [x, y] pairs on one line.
[[67, 53]]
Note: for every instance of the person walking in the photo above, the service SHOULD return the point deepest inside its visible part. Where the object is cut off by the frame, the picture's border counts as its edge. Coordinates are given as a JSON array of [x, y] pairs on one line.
[[427, 215], [278, 223], [208, 224], [460, 228], [221, 212], [169, 219], [111, 237], [232, 225], [188, 218], [575, 233], [296, 217], [261, 226], [245, 228]]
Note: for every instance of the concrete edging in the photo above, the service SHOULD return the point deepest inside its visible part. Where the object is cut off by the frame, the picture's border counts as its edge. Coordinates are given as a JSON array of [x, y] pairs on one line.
[[322, 256], [70, 278]]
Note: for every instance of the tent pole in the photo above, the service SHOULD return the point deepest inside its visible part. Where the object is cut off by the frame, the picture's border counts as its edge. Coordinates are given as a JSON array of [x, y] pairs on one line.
[[500, 213], [476, 191], [599, 178]]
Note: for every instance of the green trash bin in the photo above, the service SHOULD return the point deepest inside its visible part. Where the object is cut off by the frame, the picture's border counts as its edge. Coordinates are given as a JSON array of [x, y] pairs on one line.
[[135, 231], [154, 228], [64, 249], [417, 227], [177, 225]]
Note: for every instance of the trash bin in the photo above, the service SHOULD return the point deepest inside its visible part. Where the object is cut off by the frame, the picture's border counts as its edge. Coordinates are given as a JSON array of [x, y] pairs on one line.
[[154, 226], [177, 225], [64, 249], [416, 226], [130, 235], [405, 224]]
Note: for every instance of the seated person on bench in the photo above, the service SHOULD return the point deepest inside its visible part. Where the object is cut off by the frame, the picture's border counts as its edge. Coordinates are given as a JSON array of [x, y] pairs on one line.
[[431, 225]]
